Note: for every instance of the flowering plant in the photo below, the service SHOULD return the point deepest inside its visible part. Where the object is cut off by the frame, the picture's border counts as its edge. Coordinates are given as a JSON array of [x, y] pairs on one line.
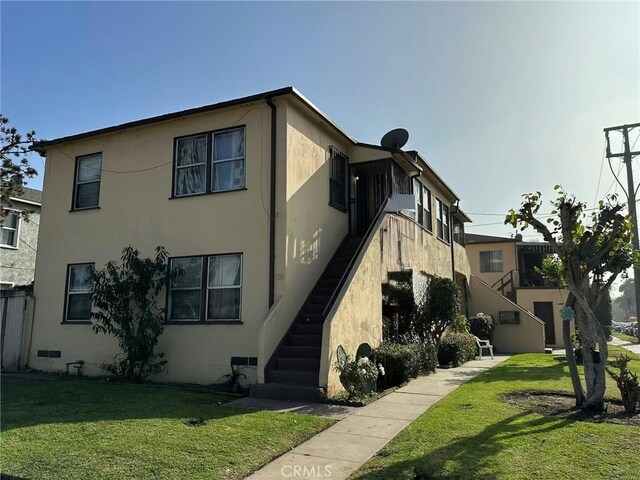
[[358, 377]]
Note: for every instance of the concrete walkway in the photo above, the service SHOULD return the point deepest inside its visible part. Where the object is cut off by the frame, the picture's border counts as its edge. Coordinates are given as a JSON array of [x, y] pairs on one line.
[[634, 347], [342, 448]]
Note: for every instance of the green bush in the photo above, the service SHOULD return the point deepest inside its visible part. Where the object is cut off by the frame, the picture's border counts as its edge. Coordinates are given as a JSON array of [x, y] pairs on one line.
[[627, 382], [404, 361], [482, 326], [456, 349], [460, 325]]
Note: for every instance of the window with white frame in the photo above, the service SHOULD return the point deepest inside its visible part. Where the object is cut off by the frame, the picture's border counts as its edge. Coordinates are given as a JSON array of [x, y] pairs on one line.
[[491, 261], [419, 194], [209, 162], [86, 191], [78, 295], [442, 213], [206, 288], [9, 230]]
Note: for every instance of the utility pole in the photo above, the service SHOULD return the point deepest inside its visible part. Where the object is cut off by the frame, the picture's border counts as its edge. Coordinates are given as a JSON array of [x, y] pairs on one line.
[[627, 156]]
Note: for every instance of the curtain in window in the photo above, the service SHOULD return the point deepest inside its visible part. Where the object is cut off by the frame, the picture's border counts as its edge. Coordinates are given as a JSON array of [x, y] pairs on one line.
[[225, 274], [224, 271], [186, 289], [191, 165], [491, 261], [228, 160], [79, 296]]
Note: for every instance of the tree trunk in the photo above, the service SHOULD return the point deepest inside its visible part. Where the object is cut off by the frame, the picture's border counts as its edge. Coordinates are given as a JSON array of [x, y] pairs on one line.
[[594, 360], [571, 358]]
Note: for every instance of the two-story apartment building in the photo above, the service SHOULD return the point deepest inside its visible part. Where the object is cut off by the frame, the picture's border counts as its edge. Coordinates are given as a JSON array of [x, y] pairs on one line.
[[284, 225], [19, 239], [510, 266]]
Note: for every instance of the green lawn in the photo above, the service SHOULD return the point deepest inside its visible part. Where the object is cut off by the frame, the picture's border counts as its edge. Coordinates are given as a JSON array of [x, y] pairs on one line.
[[473, 434], [70, 429], [625, 337]]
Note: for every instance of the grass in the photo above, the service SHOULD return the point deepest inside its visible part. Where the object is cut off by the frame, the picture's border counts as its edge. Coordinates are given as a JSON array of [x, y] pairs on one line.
[[75, 429], [625, 337], [473, 434]]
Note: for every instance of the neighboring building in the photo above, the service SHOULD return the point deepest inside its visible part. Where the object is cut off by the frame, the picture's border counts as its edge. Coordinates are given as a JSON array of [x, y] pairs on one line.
[[19, 239], [510, 265], [286, 228]]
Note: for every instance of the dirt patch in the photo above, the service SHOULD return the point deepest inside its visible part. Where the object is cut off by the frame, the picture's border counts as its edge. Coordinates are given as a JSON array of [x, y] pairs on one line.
[[562, 405]]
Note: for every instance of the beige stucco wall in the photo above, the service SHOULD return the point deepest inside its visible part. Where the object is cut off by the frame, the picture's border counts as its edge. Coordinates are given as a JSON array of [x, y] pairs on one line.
[[509, 259], [527, 296], [135, 209], [527, 336], [314, 229], [461, 260], [356, 316]]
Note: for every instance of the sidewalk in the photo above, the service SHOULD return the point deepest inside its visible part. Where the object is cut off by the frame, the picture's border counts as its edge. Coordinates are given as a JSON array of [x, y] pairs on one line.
[[634, 347], [341, 449]]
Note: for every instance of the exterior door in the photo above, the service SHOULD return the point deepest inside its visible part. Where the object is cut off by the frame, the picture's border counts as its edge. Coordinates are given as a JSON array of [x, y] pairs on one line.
[[544, 311]]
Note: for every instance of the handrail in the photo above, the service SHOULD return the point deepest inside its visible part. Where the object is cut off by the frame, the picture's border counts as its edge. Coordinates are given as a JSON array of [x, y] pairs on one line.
[[502, 282], [347, 270]]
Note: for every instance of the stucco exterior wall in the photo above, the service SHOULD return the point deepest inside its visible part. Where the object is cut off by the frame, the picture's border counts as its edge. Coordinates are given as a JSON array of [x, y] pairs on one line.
[[527, 336], [314, 229], [17, 265], [527, 296], [509, 259], [461, 260], [136, 209], [406, 245], [356, 317]]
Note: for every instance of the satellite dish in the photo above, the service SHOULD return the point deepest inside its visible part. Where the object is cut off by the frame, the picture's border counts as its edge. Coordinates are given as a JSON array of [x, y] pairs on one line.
[[395, 139], [518, 237]]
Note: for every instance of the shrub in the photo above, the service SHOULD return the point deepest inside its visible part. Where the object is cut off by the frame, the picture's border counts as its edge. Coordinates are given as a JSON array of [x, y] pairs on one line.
[[460, 325], [126, 298], [399, 361], [402, 361], [358, 377], [627, 382], [438, 309], [427, 357], [482, 326], [456, 348]]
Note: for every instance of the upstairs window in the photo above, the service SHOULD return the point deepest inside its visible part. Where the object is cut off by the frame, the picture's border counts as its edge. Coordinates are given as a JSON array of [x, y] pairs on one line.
[[427, 218], [338, 179], [207, 288], [210, 162], [443, 220], [491, 261], [78, 295], [9, 230], [86, 190]]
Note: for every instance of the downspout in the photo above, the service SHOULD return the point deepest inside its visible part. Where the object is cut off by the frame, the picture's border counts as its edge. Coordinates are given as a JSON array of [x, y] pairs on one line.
[[453, 262], [272, 205]]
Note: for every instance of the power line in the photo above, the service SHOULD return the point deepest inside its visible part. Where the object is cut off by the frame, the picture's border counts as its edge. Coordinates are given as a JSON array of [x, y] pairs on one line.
[[124, 172]]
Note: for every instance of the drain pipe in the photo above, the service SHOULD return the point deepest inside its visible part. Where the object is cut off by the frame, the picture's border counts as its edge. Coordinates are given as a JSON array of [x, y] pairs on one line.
[[272, 205]]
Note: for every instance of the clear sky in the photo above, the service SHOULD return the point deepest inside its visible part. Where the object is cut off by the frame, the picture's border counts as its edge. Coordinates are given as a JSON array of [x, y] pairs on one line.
[[501, 98]]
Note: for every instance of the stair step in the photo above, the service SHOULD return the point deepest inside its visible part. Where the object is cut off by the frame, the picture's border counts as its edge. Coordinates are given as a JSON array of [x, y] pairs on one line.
[[292, 377], [313, 308], [319, 298], [304, 364], [304, 340], [308, 329], [280, 391], [293, 351], [309, 318]]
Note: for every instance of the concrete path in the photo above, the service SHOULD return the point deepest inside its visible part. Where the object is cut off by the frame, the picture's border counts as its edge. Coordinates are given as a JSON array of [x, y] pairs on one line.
[[634, 347], [327, 410], [341, 449]]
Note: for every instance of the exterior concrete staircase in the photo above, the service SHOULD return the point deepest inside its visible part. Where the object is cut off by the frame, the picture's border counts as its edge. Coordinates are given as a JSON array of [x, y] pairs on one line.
[[293, 371]]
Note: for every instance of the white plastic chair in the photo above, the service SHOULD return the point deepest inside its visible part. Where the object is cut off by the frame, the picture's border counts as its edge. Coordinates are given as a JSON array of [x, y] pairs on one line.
[[484, 344]]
